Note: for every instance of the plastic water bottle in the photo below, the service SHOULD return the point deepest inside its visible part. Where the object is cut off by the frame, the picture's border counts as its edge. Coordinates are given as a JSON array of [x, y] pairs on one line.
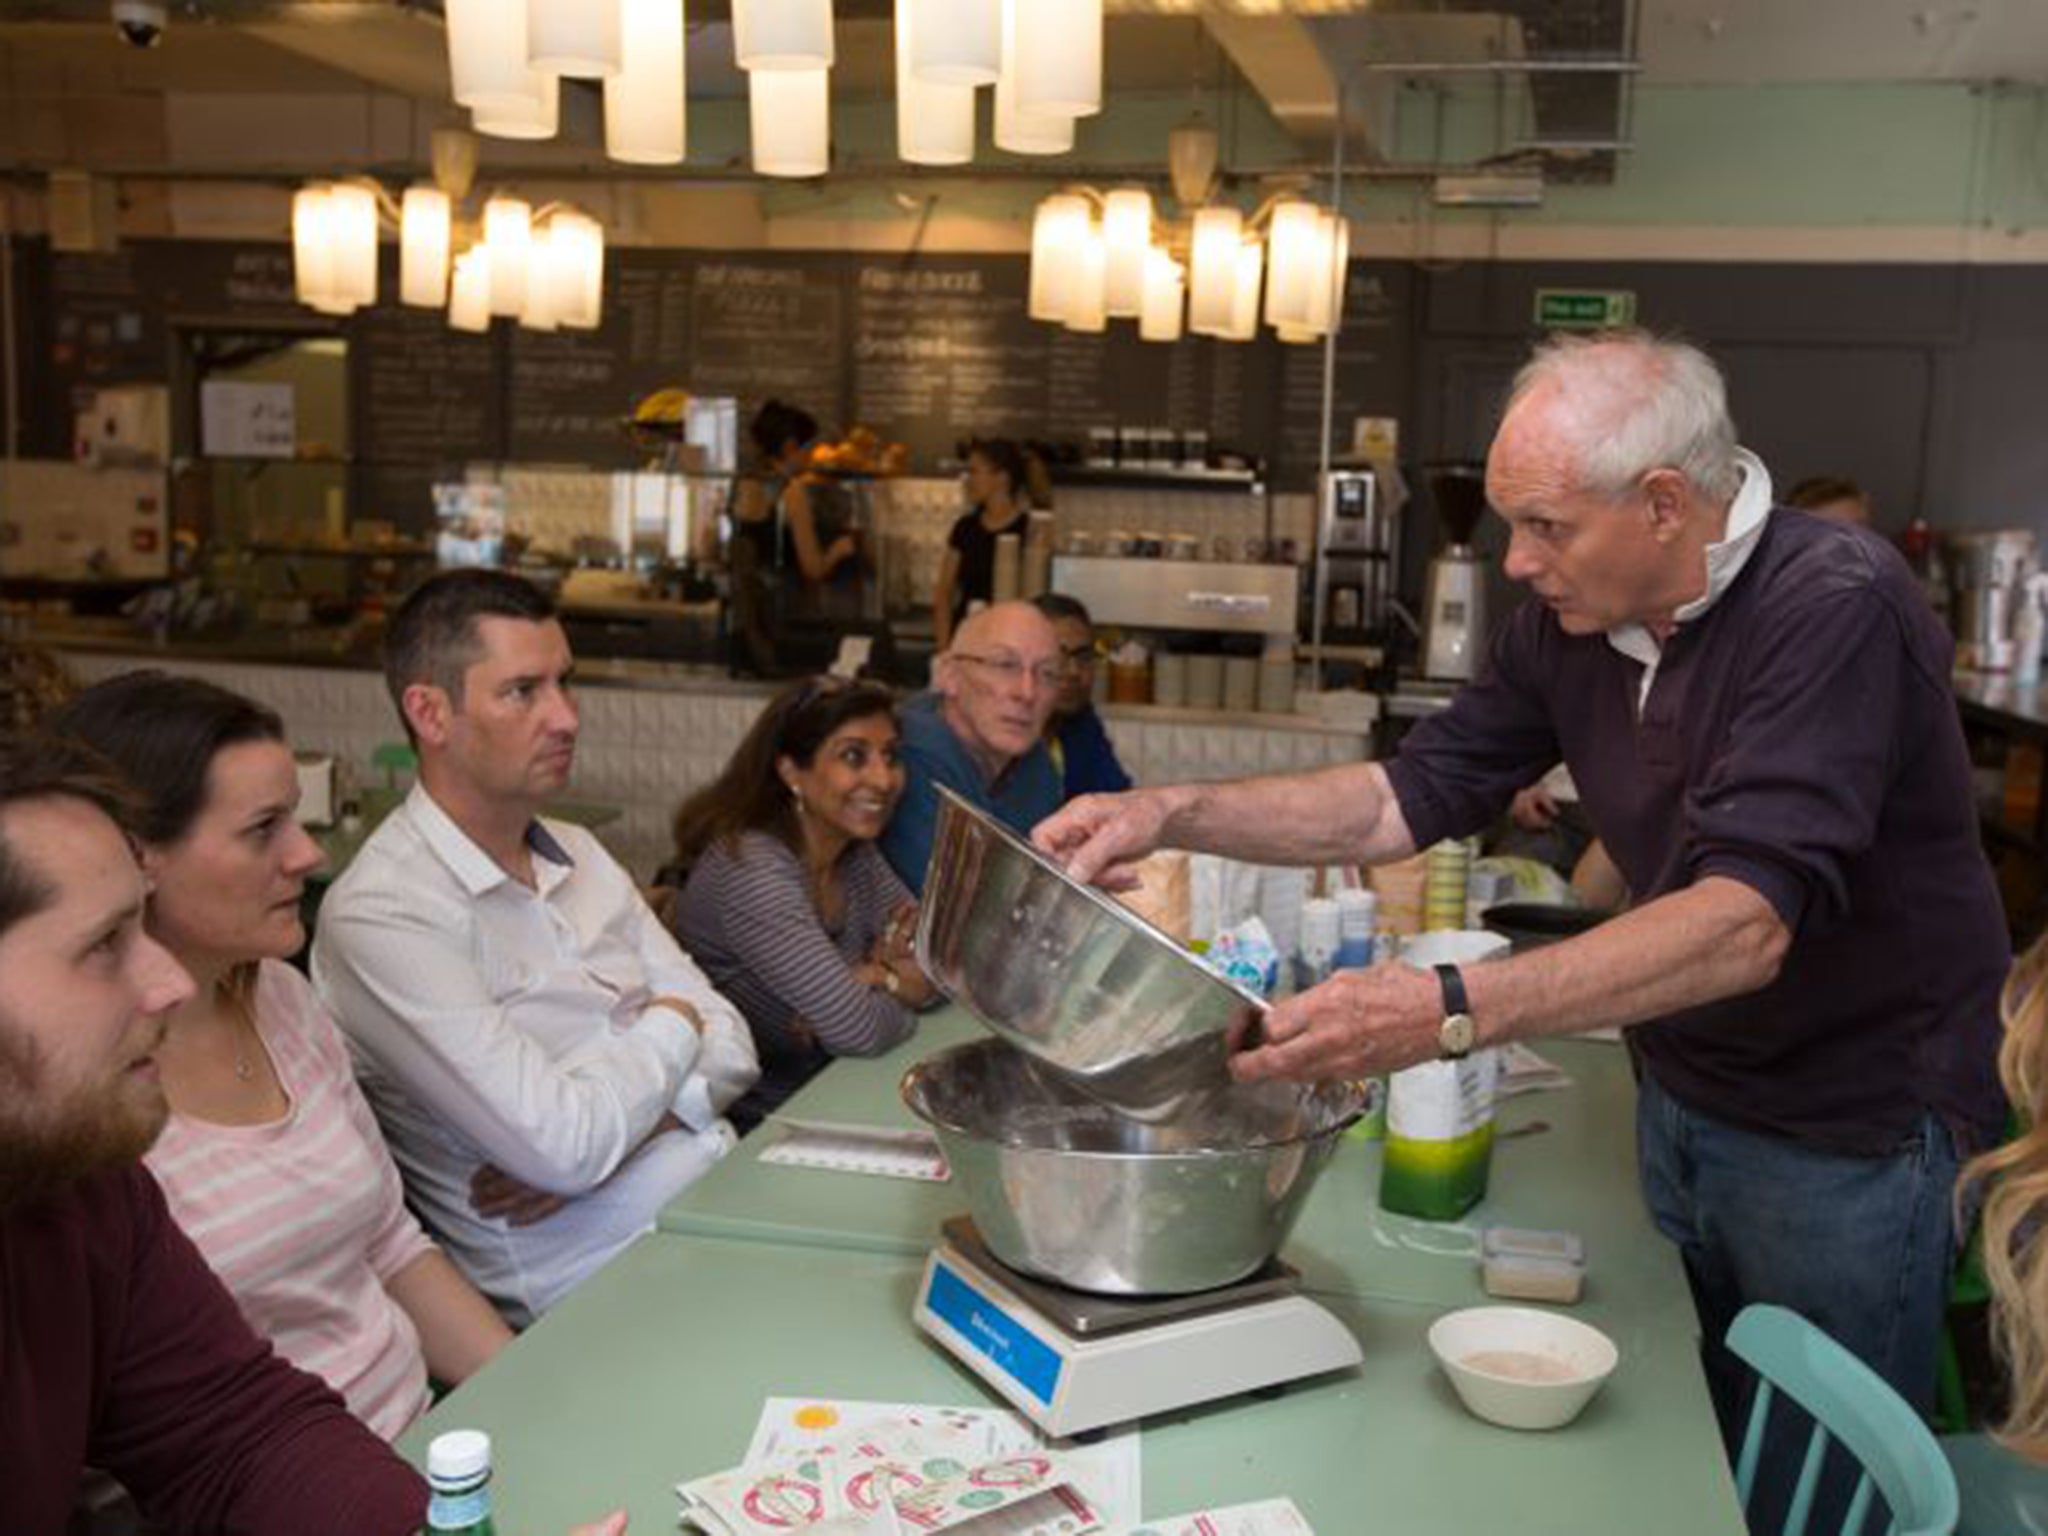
[[1357, 921], [459, 1483], [1320, 934]]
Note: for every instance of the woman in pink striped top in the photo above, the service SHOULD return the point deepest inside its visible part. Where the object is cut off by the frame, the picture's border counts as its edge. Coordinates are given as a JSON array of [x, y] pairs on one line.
[[271, 1160]]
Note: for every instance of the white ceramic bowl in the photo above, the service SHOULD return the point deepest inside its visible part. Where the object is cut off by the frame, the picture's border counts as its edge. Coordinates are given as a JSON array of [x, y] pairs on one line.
[[1520, 1367]]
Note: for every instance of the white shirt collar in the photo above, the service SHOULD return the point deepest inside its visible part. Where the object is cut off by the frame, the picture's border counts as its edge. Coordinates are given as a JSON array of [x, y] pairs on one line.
[[477, 871], [1747, 515]]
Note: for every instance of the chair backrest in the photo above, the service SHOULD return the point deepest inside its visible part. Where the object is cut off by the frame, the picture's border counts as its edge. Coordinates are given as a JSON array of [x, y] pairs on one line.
[[1851, 1403]]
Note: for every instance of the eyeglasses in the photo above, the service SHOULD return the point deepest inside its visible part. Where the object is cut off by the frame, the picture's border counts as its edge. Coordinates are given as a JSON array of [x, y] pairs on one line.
[[1078, 658], [1011, 669]]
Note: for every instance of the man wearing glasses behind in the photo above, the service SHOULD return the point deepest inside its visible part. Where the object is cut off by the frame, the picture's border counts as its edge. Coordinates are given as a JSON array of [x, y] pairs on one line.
[[1080, 747], [980, 732]]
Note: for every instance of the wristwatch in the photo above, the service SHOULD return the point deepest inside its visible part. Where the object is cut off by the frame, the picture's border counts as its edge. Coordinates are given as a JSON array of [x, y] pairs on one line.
[[891, 982], [1455, 1036]]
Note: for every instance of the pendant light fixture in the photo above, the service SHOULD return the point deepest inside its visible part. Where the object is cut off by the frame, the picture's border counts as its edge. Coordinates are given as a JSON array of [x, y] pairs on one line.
[[1127, 237], [313, 247], [644, 119], [352, 229], [1244, 305], [934, 122], [537, 116], [1165, 292], [1212, 270], [1058, 230], [571, 37], [1298, 280], [423, 238], [1057, 55], [508, 235], [957, 42], [487, 60], [782, 34], [790, 113], [576, 269], [1085, 311], [469, 303], [1019, 131]]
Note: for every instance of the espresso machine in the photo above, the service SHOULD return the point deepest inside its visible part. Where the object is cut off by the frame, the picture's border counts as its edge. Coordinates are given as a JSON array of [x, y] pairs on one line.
[[1454, 614], [1991, 573]]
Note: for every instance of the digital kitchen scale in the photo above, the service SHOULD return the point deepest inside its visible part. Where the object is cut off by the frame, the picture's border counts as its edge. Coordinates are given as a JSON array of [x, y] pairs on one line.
[[1072, 1362]]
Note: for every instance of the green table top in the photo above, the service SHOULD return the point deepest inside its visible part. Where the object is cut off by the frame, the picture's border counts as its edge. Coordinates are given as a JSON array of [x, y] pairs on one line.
[[655, 1371], [1579, 1175]]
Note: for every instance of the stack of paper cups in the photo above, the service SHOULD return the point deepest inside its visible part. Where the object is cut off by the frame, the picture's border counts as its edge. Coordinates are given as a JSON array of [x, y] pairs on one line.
[[1443, 891]]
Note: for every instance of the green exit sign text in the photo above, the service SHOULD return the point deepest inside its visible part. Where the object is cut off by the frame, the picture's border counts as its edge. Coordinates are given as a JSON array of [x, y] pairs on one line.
[[1584, 309]]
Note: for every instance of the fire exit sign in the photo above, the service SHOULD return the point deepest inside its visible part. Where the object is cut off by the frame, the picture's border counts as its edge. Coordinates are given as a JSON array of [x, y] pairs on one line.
[[1584, 309]]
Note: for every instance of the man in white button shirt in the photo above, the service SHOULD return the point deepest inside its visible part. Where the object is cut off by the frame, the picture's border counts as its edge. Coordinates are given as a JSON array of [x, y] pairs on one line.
[[549, 1067]]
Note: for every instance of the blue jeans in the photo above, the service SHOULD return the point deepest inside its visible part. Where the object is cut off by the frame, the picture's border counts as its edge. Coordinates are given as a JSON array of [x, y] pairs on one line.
[[1861, 1246]]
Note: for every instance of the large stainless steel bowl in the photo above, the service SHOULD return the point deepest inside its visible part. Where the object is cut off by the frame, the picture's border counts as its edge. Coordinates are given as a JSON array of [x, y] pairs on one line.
[[1065, 1188], [1070, 975]]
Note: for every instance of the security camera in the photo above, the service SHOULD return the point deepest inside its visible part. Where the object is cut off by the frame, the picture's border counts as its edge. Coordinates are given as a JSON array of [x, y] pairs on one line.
[[141, 23]]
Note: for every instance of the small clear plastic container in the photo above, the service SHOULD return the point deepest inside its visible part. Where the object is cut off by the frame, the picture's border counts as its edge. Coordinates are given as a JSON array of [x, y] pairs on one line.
[[1523, 1265]]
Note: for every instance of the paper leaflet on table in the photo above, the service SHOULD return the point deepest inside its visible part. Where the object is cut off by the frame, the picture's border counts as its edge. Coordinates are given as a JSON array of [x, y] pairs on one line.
[[912, 1479], [1108, 1471], [1268, 1517], [1524, 1071], [888, 1151]]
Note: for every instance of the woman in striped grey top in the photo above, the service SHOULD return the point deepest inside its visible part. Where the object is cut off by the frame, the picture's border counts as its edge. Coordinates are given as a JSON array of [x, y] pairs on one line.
[[789, 908]]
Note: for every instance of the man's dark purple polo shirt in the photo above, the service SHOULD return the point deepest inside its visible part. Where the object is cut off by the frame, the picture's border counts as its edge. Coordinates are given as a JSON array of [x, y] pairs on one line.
[[1800, 737]]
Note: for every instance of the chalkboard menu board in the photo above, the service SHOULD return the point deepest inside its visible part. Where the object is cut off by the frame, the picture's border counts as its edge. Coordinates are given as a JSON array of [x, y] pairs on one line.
[[571, 390], [942, 350], [928, 349], [764, 326]]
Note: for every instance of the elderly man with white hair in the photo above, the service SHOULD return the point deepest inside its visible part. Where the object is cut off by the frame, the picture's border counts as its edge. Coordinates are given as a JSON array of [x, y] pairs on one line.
[[980, 732], [1755, 705]]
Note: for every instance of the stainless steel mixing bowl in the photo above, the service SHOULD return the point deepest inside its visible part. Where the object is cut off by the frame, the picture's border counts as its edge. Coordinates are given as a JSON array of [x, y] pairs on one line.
[[1065, 1188], [1070, 975]]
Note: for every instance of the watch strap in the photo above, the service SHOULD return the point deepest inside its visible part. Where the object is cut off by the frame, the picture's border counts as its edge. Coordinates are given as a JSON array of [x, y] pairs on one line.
[[1452, 981]]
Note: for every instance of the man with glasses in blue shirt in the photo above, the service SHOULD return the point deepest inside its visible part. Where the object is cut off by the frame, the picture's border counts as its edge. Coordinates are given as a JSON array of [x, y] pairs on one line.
[[980, 732]]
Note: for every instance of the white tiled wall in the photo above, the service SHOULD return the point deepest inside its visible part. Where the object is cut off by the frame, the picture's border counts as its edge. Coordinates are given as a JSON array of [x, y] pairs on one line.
[[644, 749]]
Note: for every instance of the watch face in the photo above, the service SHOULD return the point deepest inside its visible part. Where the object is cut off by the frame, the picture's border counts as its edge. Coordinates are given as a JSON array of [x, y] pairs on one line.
[[1456, 1034]]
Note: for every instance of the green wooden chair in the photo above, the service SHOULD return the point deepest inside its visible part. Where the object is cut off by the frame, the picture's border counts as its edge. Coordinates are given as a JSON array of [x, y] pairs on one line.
[[1849, 1403]]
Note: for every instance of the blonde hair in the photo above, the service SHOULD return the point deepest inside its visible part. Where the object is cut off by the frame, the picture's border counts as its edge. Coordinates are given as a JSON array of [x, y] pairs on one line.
[[2015, 1232]]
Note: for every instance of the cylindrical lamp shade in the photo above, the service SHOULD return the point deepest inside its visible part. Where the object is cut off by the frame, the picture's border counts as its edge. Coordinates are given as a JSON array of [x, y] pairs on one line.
[[1298, 275], [934, 123], [1084, 309], [955, 42], [1338, 230], [1019, 131], [527, 117], [791, 116], [312, 246], [538, 312], [1127, 237], [1165, 289], [572, 37], [469, 301], [508, 235], [782, 34], [1296, 338], [1212, 270], [1058, 55], [487, 63], [576, 269], [1244, 308], [352, 221], [1057, 232], [423, 235], [643, 102]]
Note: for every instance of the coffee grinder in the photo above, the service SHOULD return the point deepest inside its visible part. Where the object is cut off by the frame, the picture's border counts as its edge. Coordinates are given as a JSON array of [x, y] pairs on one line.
[[1454, 616]]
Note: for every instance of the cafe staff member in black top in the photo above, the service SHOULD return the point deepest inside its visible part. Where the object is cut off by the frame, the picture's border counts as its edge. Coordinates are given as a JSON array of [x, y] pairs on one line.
[[997, 480]]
